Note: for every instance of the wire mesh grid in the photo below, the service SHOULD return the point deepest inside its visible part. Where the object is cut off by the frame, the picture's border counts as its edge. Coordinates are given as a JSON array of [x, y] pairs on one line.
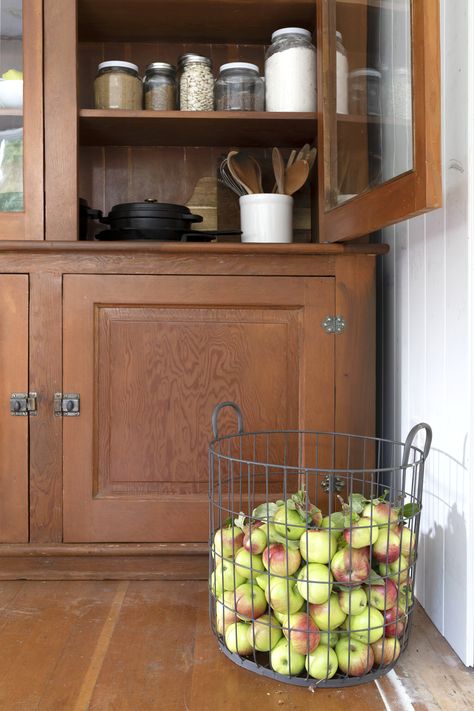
[[313, 541]]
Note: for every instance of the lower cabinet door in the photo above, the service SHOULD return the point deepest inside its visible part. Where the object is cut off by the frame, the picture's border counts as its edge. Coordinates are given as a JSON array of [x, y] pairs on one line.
[[13, 429], [151, 356]]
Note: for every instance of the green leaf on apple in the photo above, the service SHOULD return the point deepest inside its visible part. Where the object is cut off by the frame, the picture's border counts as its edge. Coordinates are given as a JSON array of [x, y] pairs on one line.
[[375, 578], [357, 502], [410, 510], [241, 520], [228, 522], [276, 538], [265, 511]]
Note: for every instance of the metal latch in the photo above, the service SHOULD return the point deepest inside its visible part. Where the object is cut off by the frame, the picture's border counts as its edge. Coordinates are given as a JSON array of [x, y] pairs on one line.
[[338, 483], [23, 404], [67, 405], [334, 324]]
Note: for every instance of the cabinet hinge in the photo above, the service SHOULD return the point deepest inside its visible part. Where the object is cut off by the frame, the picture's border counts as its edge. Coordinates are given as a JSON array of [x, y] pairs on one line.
[[23, 404], [334, 324], [67, 405]]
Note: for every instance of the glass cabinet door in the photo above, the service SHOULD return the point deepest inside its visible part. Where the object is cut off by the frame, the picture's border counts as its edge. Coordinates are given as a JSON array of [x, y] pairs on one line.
[[21, 120], [379, 125]]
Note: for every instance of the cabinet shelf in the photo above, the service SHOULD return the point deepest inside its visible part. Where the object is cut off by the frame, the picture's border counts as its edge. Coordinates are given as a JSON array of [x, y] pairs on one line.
[[189, 128]]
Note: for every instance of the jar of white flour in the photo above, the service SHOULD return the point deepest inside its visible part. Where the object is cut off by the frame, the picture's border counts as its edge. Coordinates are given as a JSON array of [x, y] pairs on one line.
[[290, 71]]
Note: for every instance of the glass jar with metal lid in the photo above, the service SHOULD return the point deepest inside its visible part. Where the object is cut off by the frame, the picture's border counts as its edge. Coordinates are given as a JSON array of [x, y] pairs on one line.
[[239, 88], [290, 71], [159, 87], [196, 83], [118, 86]]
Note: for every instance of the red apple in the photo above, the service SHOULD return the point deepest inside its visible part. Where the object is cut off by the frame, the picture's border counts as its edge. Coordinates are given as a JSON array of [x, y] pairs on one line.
[[264, 633], [225, 611], [386, 651], [394, 622], [382, 513], [301, 632], [255, 540], [280, 560], [354, 657], [283, 596], [362, 533], [351, 565], [387, 547], [227, 541], [383, 596], [250, 601]]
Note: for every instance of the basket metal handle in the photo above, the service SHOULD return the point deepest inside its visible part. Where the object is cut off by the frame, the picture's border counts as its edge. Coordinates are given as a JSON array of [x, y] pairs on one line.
[[237, 410], [409, 442]]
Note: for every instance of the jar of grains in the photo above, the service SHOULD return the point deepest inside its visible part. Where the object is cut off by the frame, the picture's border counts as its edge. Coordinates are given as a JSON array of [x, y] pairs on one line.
[[118, 86], [239, 88], [290, 71], [196, 83], [159, 86]]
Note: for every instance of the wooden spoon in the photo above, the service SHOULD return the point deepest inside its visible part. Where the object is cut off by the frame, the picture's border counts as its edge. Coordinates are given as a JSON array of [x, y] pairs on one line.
[[279, 170], [291, 159], [296, 176], [303, 152], [311, 157], [239, 175], [253, 167]]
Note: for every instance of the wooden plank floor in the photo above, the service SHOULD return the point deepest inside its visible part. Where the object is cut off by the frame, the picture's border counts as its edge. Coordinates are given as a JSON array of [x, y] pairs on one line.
[[118, 645]]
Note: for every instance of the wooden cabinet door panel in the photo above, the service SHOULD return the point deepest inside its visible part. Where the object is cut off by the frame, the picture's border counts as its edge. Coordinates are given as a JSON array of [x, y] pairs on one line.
[[13, 430], [151, 357]]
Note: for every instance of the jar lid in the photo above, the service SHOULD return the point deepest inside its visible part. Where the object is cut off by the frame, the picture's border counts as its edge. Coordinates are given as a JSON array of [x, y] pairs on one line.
[[365, 73], [193, 59], [161, 67], [291, 31], [239, 65], [122, 65]]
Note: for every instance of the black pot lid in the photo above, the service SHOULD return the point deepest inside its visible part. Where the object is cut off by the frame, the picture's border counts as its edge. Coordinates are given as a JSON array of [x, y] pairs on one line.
[[151, 208]]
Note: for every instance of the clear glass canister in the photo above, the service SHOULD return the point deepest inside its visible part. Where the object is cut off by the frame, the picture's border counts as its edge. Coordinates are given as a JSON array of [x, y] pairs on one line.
[[342, 77], [290, 71], [196, 83], [239, 88], [118, 86], [159, 87], [365, 92]]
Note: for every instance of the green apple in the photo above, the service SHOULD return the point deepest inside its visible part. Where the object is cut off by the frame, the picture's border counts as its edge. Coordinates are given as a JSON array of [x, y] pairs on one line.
[[284, 597], [255, 540], [407, 541], [250, 601], [225, 611], [353, 601], [396, 571], [264, 633], [328, 615], [237, 638], [315, 583], [284, 659], [322, 663], [328, 638], [288, 523], [355, 658], [366, 627], [362, 533], [281, 616], [248, 565], [227, 541], [386, 651], [225, 577], [317, 546], [12, 75]]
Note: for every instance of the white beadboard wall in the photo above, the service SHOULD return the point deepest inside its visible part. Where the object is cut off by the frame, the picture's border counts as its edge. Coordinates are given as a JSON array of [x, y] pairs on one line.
[[426, 344]]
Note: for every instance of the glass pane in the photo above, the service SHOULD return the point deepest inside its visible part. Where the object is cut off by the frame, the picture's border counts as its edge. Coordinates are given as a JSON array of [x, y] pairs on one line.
[[11, 106], [371, 109]]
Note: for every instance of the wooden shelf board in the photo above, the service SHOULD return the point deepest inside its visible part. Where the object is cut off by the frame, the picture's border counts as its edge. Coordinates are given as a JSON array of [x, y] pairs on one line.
[[247, 21], [188, 128]]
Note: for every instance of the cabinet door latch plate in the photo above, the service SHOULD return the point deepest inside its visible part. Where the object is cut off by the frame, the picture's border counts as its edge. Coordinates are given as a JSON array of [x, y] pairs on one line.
[[334, 324], [338, 484], [23, 404], [67, 405]]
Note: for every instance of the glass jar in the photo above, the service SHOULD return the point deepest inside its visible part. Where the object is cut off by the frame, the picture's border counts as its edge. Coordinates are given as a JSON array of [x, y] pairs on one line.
[[402, 94], [239, 88], [159, 86], [342, 77], [118, 86], [365, 92], [196, 83], [290, 71]]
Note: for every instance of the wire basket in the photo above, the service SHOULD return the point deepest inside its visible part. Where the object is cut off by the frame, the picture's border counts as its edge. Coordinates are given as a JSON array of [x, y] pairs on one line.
[[313, 548]]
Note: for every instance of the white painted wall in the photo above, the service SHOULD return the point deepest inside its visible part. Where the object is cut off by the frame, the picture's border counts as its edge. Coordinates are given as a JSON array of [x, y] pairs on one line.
[[427, 299]]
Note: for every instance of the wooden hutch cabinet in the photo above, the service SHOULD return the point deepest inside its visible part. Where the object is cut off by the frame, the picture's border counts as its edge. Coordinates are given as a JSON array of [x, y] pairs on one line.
[[117, 352]]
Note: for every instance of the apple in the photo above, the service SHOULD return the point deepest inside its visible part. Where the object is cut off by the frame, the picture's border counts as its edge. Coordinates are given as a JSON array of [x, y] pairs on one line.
[[263, 580], [362, 533], [255, 541], [386, 651], [250, 601], [301, 632], [225, 611], [281, 560], [407, 542], [247, 564], [317, 546], [225, 577], [382, 513], [396, 571], [315, 582], [387, 547], [284, 659], [355, 658], [264, 633], [281, 616], [351, 565], [12, 75], [322, 663], [283, 596], [227, 541], [237, 639], [328, 638], [334, 529], [395, 619], [288, 523], [367, 626], [353, 601], [383, 596], [328, 615]]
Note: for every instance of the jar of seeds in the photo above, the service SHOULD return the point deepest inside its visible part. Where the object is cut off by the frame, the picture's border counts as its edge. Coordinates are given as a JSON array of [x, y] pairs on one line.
[[196, 83], [160, 87], [118, 86]]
